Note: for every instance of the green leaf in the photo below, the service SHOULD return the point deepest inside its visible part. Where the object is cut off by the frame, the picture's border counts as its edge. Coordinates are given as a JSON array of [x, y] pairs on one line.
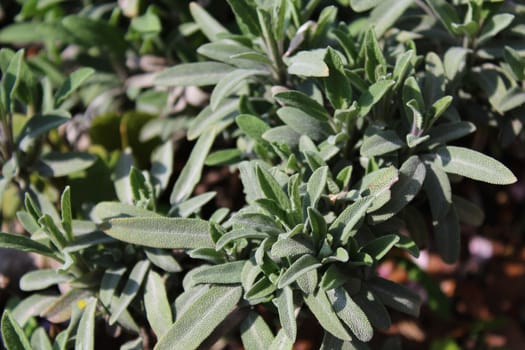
[[373, 308], [304, 123], [246, 16], [300, 100], [67, 216], [437, 187], [443, 133], [208, 119], [281, 341], [515, 61], [454, 61], [42, 279], [162, 164], [235, 235], [191, 173], [447, 236], [363, 5], [60, 310], [231, 83], [374, 93], [348, 219], [386, 14], [468, 212], [130, 290], [32, 306], [37, 126], [322, 309], [163, 232], [194, 204], [309, 64], [40, 340], [31, 32], [286, 309], [24, 244], [11, 79], [282, 135], [85, 338], [316, 185], [512, 98], [91, 32], [351, 314], [210, 27], [108, 285], [475, 165], [227, 273], [378, 142], [493, 26], [396, 296], [337, 85], [255, 333], [56, 164], [104, 211], [330, 342], [12, 334], [299, 267], [271, 188], [72, 83], [193, 74], [252, 126], [380, 246], [288, 247], [201, 318], [411, 176], [158, 309], [224, 157], [446, 13]]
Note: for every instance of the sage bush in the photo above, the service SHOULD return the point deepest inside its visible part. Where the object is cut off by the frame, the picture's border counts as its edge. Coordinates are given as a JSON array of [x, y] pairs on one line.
[[345, 121]]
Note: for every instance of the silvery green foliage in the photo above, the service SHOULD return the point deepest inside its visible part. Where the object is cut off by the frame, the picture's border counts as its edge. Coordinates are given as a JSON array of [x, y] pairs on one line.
[[342, 130]]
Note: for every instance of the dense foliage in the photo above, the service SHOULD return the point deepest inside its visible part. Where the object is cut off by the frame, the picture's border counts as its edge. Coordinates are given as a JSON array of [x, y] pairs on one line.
[[345, 120]]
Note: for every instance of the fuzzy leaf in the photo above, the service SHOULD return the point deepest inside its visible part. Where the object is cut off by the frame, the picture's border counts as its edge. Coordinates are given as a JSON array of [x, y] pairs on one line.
[[411, 177], [193, 74], [209, 119], [227, 273], [42, 279], [22, 243], [493, 26], [200, 318], [158, 310], [386, 14], [210, 27], [304, 123], [231, 83], [351, 314], [380, 246], [475, 165], [285, 307], [130, 290], [396, 296], [371, 96], [73, 82], [346, 221], [161, 232], [447, 236], [309, 64], [191, 173], [316, 184], [37, 126], [378, 142], [255, 333], [85, 339], [56, 164], [12, 334], [301, 266], [321, 307]]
